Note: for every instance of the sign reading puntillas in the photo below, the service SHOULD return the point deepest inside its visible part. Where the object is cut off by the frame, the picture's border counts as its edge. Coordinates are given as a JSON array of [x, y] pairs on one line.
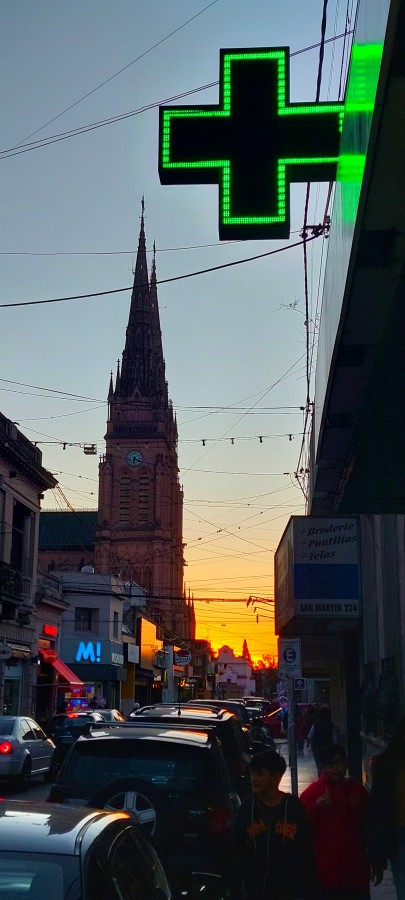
[[317, 569]]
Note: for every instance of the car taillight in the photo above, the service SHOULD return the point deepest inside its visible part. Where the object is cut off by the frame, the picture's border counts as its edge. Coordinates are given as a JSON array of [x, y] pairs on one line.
[[220, 820], [6, 747]]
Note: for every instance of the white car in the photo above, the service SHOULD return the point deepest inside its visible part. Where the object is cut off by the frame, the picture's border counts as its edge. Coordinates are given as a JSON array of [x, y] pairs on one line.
[[25, 750]]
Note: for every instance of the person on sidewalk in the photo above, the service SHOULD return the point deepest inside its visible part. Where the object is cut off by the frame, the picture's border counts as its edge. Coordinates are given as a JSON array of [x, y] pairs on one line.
[[338, 813], [387, 800], [321, 733], [134, 710], [272, 856]]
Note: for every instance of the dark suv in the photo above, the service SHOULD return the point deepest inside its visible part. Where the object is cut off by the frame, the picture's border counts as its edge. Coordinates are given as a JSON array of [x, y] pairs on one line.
[[172, 780], [236, 706], [65, 728], [235, 743]]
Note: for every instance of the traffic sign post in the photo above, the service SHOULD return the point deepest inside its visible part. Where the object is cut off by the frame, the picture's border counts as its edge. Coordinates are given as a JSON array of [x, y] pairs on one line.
[[292, 743], [289, 665]]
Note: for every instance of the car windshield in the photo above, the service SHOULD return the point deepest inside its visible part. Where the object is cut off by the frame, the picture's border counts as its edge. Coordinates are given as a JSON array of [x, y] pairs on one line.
[[168, 765], [33, 876], [6, 725]]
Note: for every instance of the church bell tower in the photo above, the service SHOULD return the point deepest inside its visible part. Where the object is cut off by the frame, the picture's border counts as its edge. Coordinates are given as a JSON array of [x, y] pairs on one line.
[[140, 509]]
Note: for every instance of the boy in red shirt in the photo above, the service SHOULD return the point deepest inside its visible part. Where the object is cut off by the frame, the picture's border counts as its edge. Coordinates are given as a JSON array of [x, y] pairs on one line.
[[337, 810]]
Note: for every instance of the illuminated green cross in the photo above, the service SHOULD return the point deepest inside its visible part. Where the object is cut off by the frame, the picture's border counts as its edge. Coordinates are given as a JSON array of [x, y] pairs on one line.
[[254, 144]]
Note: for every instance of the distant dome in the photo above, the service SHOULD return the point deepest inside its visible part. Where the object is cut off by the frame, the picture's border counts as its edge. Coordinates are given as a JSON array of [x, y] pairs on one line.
[[88, 570]]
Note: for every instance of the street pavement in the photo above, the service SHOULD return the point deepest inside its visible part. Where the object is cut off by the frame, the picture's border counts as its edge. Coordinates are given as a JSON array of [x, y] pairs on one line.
[[306, 772]]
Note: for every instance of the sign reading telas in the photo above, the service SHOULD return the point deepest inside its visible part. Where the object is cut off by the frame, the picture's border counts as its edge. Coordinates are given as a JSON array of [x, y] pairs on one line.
[[253, 144]]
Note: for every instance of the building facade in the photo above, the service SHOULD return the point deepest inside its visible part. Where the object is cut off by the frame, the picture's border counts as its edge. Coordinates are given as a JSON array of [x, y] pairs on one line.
[[22, 483], [356, 470]]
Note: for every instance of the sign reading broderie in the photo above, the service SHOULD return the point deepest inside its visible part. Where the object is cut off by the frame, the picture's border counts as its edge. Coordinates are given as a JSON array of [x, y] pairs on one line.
[[253, 144]]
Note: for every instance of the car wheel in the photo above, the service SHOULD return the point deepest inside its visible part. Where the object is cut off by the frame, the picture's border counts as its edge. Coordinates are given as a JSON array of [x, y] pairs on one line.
[[140, 799], [24, 778]]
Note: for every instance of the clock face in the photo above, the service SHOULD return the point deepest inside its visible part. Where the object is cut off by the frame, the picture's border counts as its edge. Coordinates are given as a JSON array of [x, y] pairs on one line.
[[134, 457]]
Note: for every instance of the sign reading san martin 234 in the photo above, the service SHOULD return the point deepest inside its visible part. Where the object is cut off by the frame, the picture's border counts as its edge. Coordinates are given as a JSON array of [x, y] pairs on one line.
[[316, 567], [253, 144]]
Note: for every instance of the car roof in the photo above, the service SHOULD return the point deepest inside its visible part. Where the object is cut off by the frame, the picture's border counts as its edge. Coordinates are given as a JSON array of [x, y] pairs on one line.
[[164, 731], [25, 824], [185, 712]]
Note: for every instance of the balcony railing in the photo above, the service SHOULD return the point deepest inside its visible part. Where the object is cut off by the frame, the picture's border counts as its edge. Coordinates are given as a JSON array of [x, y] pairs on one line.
[[14, 586]]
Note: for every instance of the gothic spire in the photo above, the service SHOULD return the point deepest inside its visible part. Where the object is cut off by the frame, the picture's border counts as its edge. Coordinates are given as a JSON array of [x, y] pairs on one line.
[[143, 367]]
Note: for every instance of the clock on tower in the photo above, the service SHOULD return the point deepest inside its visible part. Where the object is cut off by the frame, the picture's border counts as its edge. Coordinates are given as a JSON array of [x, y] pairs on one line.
[[134, 458]]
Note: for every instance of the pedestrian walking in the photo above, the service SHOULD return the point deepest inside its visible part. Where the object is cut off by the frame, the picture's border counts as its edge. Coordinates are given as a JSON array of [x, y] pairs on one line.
[[321, 733], [338, 813], [387, 799], [134, 711], [272, 856], [309, 717]]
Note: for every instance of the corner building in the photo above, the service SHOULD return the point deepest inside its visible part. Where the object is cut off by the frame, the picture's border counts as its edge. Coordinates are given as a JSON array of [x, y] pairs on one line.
[[139, 528]]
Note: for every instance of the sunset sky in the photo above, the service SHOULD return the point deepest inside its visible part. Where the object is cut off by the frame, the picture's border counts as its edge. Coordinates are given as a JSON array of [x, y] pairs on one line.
[[85, 80]]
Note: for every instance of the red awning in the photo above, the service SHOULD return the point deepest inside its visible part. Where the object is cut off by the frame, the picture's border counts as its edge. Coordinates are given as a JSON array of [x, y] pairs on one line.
[[67, 674]]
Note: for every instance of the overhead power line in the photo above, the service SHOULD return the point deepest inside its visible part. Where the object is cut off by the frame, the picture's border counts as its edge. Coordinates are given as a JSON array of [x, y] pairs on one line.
[[112, 120], [236, 262]]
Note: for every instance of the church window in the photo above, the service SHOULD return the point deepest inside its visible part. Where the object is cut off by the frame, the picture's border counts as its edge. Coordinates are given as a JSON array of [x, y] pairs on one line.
[[125, 487], [143, 498], [139, 301]]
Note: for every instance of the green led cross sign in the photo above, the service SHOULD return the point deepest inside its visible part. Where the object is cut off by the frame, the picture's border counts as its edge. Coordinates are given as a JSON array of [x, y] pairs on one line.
[[253, 144]]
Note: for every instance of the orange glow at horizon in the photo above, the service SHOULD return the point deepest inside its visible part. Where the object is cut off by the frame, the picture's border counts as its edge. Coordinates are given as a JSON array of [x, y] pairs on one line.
[[229, 624]]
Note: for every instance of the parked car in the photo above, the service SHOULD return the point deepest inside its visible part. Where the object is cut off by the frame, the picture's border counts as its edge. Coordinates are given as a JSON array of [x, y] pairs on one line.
[[236, 745], [257, 706], [25, 750], [236, 706], [71, 853], [171, 779], [112, 715], [65, 728]]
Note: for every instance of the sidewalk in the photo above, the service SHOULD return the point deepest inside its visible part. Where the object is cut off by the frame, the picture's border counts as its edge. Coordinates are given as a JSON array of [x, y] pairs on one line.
[[306, 775]]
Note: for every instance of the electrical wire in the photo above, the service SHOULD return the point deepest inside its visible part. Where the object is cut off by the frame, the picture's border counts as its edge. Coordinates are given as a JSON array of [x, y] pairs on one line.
[[236, 262], [120, 71], [44, 142]]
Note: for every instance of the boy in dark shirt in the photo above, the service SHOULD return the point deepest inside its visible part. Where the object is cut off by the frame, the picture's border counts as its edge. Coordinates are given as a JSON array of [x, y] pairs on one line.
[[272, 856]]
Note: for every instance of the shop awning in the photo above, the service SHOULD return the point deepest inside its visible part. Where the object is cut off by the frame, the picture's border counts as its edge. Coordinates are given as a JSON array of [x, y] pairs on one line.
[[66, 673]]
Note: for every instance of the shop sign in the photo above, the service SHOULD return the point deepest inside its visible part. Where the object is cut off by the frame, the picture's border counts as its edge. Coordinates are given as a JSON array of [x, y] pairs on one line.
[[51, 630], [253, 144], [183, 658], [6, 651], [117, 659], [91, 652]]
